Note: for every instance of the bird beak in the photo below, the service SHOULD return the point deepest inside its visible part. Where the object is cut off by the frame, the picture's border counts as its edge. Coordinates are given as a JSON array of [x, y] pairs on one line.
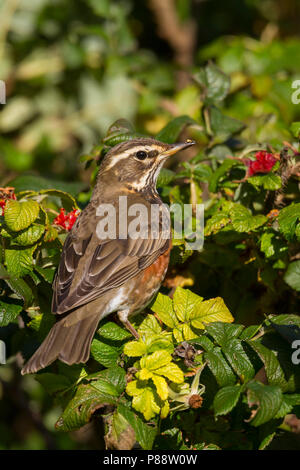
[[174, 148]]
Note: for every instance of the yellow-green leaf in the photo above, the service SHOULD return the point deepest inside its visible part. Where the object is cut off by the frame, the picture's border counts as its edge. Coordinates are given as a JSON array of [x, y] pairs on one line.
[[163, 306], [19, 215], [149, 326], [185, 303], [51, 233], [144, 374], [243, 220], [146, 403], [210, 311], [188, 333], [172, 372], [178, 333], [19, 262], [135, 348], [30, 235], [165, 410], [156, 360], [133, 388]]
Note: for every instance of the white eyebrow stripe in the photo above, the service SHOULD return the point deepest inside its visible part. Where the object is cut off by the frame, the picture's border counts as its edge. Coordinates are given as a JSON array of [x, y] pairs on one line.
[[120, 156]]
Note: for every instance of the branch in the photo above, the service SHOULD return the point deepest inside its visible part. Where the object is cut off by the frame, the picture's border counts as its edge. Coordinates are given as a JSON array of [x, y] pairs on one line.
[[181, 37]]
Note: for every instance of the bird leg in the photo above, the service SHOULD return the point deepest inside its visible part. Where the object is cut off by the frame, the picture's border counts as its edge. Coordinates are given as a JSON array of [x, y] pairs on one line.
[[123, 317]]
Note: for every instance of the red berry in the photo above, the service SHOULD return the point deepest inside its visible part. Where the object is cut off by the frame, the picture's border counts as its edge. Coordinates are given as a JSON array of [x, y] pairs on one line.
[[263, 163], [66, 221], [2, 205]]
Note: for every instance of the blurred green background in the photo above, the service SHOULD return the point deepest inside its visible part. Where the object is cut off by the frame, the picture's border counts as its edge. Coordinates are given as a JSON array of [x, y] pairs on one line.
[[72, 67]]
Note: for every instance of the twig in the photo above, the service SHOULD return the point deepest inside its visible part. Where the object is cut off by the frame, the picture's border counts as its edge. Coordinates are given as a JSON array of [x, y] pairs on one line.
[[181, 37]]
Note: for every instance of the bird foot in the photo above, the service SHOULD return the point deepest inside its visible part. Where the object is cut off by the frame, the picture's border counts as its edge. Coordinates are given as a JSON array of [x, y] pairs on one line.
[[123, 316]]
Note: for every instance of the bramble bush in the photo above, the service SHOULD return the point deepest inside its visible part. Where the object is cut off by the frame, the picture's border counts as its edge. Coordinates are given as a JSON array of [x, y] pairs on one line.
[[213, 366]]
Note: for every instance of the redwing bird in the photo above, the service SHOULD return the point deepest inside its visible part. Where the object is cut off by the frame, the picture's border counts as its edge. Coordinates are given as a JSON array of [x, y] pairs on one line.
[[98, 276]]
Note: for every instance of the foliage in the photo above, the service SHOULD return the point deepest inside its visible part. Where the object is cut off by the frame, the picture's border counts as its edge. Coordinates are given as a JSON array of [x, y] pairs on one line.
[[187, 335]]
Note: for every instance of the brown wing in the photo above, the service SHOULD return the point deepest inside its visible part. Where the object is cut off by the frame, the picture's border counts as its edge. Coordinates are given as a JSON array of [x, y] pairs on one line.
[[90, 266]]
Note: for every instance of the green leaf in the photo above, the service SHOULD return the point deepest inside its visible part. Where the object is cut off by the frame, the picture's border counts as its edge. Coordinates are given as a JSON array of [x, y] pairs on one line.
[[249, 332], [29, 236], [9, 311], [292, 275], [105, 387], [120, 435], [83, 404], [46, 273], [272, 244], [116, 376], [274, 372], [283, 353], [216, 223], [113, 332], [226, 399], [290, 331], [267, 432], [266, 244], [213, 82], [244, 221], [173, 129], [223, 126], [204, 342], [223, 332], [104, 353], [221, 171], [295, 129], [38, 183], [67, 200], [267, 398], [19, 215], [219, 367], [238, 359], [292, 399], [18, 286], [19, 262], [269, 181], [287, 220], [285, 319]]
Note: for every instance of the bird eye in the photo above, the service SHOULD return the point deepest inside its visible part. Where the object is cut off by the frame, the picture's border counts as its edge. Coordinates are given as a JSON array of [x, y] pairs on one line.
[[141, 155]]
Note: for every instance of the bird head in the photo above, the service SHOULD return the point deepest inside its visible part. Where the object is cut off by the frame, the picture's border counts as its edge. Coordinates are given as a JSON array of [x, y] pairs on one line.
[[136, 163]]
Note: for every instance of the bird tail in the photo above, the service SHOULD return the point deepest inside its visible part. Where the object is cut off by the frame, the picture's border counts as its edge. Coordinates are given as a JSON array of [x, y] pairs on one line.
[[68, 342]]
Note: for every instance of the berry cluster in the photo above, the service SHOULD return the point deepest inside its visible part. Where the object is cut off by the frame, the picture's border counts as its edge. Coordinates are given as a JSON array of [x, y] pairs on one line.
[[5, 194], [263, 163]]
